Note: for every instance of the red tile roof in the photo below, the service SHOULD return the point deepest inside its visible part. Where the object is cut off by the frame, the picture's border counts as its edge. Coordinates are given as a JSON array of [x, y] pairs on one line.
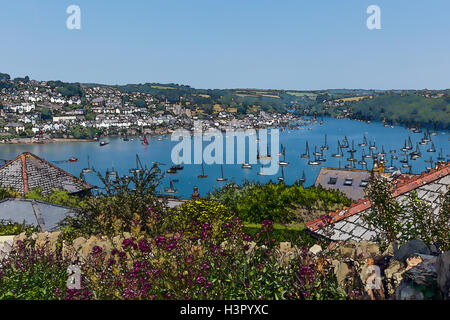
[[27, 171], [403, 185]]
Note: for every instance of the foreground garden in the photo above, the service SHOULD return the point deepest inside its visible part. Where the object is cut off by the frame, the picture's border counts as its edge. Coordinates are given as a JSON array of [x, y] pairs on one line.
[[242, 242]]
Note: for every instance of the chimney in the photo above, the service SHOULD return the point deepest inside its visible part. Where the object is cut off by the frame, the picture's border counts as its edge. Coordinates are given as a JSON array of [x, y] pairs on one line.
[[195, 194]]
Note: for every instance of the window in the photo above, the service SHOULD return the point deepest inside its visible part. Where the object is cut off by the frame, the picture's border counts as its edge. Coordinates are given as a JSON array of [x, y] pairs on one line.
[[332, 180], [364, 183], [348, 182]]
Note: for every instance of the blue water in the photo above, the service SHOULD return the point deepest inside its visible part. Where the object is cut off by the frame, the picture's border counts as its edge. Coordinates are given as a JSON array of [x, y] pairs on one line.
[[121, 155]]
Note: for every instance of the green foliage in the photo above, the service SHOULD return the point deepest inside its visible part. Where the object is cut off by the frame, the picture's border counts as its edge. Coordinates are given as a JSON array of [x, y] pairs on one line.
[[296, 234], [8, 193], [9, 228], [31, 274], [57, 196], [128, 204], [254, 202], [192, 215], [410, 219]]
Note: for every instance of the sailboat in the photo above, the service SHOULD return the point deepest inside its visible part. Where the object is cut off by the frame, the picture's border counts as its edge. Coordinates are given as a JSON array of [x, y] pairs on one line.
[[364, 143], [344, 144], [409, 146], [352, 150], [303, 178], [202, 176], [441, 157], [282, 175], [391, 167], [363, 162], [171, 189], [88, 169], [339, 153], [405, 162], [316, 161], [325, 146], [220, 179], [138, 167], [369, 155], [283, 163], [306, 154], [431, 164], [416, 154], [145, 142], [267, 156], [432, 149]]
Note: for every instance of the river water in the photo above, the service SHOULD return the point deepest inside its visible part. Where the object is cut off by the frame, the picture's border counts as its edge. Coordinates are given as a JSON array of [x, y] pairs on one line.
[[121, 155]]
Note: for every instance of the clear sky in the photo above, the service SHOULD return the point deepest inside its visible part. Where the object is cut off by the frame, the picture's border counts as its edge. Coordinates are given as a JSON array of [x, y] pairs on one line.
[[277, 44]]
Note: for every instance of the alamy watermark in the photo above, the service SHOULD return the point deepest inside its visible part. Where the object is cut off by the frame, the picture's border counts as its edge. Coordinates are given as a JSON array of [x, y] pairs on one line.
[[74, 20], [189, 149], [374, 20]]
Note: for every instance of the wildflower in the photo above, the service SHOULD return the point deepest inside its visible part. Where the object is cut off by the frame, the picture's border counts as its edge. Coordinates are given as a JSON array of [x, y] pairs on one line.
[[97, 250], [111, 262], [160, 240], [127, 242], [144, 246], [248, 238], [200, 279]]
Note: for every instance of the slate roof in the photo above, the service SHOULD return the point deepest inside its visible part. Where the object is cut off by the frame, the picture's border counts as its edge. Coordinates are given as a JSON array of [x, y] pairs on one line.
[[348, 223], [28, 171], [355, 191], [34, 212]]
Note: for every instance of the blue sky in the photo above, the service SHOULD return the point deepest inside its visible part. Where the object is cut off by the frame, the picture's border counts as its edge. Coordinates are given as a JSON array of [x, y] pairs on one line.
[[277, 44]]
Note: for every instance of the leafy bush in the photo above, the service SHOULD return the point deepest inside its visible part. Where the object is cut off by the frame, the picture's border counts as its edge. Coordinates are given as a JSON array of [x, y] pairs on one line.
[[128, 204], [407, 220], [57, 196], [8, 193], [9, 228], [281, 233], [192, 217], [32, 274], [255, 202]]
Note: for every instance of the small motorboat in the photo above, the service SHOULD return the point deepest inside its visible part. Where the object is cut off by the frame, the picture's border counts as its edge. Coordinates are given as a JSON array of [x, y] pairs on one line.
[[246, 166], [103, 143], [73, 159], [171, 189]]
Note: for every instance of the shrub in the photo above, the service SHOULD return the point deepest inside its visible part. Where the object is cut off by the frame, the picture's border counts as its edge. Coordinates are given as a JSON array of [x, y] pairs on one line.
[[407, 220], [296, 235], [129, 204], [9, 228], [194, 216], [32, 274], [255, 202]]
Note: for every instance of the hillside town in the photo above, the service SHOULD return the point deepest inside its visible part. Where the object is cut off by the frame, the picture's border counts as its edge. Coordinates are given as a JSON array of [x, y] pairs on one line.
[[38, 111]]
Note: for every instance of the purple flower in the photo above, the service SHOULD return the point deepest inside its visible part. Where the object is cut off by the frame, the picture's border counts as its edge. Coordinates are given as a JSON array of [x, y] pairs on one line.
[[144, 246], [127, 242], [200, 279], [97, 250], [160, 240]]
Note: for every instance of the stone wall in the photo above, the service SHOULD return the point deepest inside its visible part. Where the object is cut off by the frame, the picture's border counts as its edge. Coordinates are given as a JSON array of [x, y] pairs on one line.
[[395, 273]]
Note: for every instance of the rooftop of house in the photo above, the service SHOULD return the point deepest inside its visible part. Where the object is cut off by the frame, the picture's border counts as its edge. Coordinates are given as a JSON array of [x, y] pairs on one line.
[[34, 212], [351, 182], [27, 172], [349, 224]]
